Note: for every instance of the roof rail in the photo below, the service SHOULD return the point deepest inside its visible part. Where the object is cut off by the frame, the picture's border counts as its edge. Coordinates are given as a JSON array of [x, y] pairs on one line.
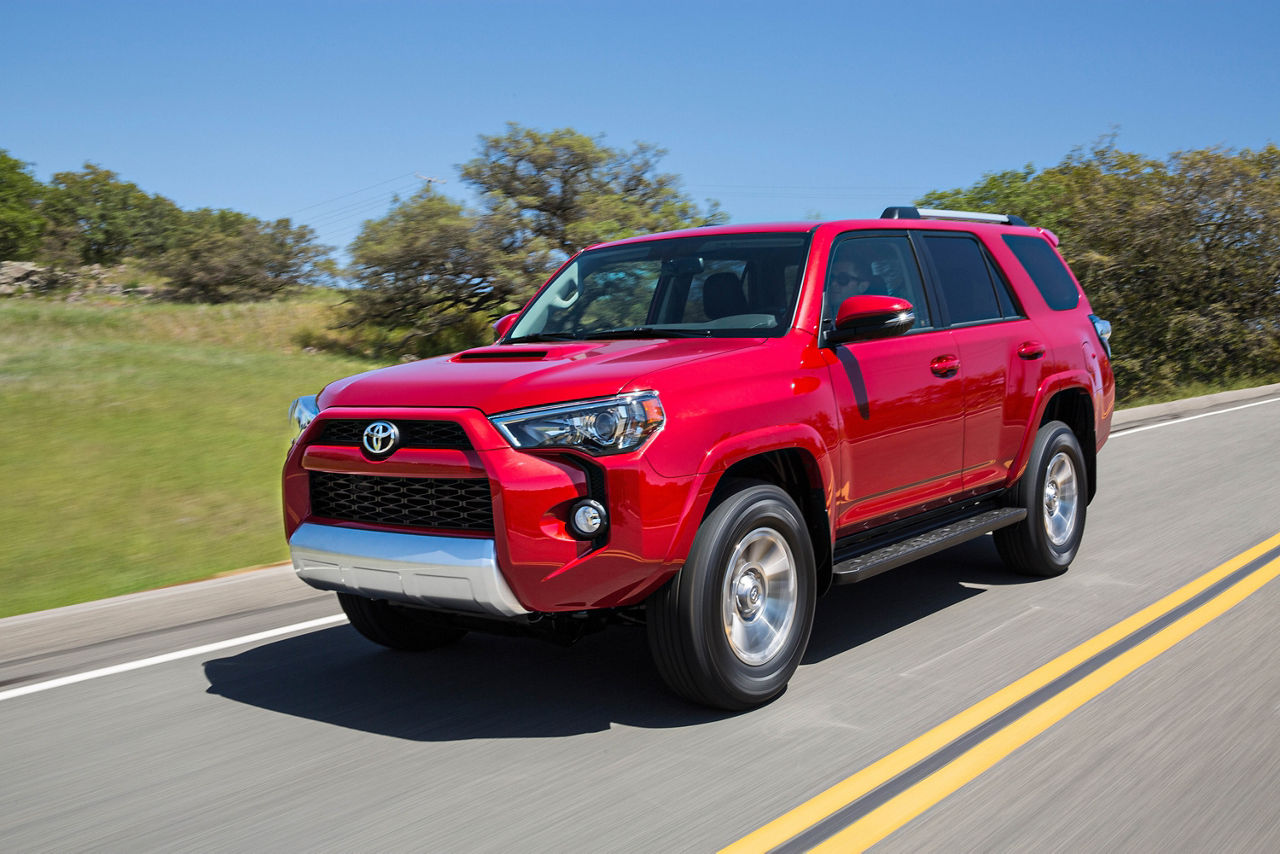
[[962, 216]]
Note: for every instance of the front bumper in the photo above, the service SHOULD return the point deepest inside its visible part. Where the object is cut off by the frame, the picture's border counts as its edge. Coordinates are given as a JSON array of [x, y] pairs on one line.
[[447, 573], [543, 566]]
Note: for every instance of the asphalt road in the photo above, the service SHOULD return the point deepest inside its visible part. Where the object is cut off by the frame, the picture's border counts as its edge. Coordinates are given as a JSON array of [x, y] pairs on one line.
[[316, 740]]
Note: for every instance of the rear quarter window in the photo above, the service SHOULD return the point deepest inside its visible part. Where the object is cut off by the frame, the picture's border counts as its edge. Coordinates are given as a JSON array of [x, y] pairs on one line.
[[1045, 269]]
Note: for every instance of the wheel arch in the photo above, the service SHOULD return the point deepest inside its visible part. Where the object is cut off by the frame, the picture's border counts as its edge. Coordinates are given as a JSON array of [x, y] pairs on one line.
[[798, 473], [1073, 406]]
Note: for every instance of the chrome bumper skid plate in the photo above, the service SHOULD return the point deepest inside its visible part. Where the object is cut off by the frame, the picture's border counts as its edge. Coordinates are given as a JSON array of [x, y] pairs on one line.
[[451, 573]]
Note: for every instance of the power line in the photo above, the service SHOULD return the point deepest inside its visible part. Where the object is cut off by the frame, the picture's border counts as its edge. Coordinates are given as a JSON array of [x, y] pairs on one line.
[[830, 187], [353, 208], [352, 193]]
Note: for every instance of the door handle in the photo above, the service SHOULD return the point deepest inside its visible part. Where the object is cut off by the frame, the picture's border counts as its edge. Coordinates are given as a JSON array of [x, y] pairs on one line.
[[1031, 350], [945, 366]]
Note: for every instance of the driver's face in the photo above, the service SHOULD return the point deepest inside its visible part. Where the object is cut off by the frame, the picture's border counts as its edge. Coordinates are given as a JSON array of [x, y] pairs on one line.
[[845, 273]]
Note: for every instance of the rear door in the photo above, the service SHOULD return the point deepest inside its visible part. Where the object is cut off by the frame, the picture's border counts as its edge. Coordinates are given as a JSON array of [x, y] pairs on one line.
[[1001, 353]]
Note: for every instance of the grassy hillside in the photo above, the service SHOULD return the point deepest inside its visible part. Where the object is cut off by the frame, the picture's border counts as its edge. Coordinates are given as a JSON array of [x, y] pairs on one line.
[[143, 442]]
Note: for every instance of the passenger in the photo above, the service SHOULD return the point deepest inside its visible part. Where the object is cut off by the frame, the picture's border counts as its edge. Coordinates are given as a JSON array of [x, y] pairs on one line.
[[888, 272]]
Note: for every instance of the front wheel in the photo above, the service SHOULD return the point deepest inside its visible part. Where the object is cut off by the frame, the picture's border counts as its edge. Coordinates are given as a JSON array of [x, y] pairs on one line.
[[1054, 490], [730, 628], [407, 629]]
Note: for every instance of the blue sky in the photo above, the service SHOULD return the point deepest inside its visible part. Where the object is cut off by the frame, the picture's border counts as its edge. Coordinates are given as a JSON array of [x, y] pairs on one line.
[[321, 111]]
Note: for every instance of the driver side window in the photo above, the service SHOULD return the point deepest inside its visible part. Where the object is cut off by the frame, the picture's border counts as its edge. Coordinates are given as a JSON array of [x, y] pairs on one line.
[[875, 265]]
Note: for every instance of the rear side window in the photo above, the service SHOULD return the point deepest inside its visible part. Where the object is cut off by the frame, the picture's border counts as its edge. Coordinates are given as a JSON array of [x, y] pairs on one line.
[[965, 279], [1045, 269]]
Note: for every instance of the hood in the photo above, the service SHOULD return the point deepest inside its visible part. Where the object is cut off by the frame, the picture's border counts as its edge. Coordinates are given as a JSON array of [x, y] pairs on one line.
[[502, 378]]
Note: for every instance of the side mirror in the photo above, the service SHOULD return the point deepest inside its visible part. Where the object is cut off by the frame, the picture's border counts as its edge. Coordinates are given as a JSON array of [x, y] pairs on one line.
[[504, 324], [868, 316]]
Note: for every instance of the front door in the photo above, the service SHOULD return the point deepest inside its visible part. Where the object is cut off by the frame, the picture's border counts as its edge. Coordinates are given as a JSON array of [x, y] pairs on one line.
[[901, 399]]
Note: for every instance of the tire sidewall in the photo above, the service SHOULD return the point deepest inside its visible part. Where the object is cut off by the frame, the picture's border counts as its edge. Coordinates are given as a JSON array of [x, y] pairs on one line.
[[1057, 438], [760, 506]]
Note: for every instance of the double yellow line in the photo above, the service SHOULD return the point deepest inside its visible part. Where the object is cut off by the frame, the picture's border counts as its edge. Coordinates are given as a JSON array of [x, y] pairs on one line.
[[863, 809]]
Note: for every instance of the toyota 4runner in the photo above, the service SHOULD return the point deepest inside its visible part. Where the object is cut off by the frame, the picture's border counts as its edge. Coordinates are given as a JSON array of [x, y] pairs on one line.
[[703, 430]]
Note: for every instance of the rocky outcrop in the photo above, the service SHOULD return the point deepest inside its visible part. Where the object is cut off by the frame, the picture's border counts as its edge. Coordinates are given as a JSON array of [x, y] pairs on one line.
[[24, 278]]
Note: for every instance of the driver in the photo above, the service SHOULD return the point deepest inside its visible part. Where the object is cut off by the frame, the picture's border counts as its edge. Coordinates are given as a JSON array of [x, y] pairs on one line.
[[851, 275]]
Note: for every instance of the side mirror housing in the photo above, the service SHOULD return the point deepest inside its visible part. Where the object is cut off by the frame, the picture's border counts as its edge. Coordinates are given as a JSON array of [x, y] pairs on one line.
[[504, 324], [869, 316]]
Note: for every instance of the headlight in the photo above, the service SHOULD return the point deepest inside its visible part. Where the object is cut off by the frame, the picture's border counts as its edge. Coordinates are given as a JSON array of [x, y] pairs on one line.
[[303, 411], [598, 427]]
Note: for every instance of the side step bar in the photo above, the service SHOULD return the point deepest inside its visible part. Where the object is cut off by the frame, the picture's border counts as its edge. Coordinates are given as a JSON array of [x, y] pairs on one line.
[[867, 564]]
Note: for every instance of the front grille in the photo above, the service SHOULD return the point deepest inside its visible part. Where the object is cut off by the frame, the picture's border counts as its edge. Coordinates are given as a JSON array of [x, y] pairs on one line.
[[413, 434], [459, 504]]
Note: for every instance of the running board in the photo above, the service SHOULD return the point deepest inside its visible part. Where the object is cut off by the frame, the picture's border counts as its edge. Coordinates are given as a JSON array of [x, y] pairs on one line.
[[890, 556]]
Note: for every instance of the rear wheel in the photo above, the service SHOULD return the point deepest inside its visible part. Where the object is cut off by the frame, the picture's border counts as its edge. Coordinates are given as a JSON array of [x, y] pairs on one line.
[[730, 628], [1054, 491], [396, 627]]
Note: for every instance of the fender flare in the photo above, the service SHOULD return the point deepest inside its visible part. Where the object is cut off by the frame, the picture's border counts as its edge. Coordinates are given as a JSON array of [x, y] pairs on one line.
[[1052, 385], [734, 449]]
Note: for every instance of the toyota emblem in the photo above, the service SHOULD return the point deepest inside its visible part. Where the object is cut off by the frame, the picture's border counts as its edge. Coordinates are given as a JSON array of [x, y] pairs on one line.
[[381, 437]]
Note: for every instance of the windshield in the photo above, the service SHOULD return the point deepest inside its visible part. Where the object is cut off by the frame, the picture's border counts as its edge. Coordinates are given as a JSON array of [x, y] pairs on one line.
[[720, 285]]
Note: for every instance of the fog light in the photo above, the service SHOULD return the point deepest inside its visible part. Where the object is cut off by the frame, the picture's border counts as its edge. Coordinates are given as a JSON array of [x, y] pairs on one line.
[[588, 519]]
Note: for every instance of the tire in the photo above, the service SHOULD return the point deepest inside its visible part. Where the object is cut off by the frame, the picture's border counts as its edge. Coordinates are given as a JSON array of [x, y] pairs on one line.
[[398, 628], [1054, 490], [751, 559]]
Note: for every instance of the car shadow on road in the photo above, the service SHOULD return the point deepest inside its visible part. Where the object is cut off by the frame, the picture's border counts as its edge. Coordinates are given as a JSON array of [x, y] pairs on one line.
[[481, 687], [501, 687], [851, 615]]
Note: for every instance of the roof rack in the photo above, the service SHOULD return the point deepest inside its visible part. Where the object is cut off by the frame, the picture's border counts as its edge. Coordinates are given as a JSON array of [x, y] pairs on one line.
[[962, 216]]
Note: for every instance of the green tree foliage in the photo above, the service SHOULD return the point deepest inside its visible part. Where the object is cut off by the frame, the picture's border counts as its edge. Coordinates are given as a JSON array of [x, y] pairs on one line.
[[95, 218], [1181, 255], [227, 256], [427, 256], [20, 222], [543, 196], [560, 191]]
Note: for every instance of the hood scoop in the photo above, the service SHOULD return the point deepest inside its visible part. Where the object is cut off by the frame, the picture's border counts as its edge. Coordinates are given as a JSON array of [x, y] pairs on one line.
[[505, 354]]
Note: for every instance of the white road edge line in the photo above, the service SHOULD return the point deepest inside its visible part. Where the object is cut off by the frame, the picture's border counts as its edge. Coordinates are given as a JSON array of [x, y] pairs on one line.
[[169, 656], [1132, 430]]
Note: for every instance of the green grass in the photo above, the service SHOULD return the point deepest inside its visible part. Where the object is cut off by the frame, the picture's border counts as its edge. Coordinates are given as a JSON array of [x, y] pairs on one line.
[[144, 442], [1198, 389]]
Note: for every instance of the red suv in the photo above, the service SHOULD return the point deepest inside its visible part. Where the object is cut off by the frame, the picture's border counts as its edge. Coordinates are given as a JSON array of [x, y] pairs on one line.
[[703, 430]]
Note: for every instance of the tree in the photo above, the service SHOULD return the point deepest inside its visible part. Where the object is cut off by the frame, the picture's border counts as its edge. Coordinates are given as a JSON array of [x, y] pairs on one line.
[[95, 218], [227, 256], [543, 196], [20, 220], [562, 190], [426, 257], [1182, 255]]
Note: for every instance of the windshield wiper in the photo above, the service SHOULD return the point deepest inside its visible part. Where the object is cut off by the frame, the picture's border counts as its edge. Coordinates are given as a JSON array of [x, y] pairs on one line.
[[647, 332], [543, 336]]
